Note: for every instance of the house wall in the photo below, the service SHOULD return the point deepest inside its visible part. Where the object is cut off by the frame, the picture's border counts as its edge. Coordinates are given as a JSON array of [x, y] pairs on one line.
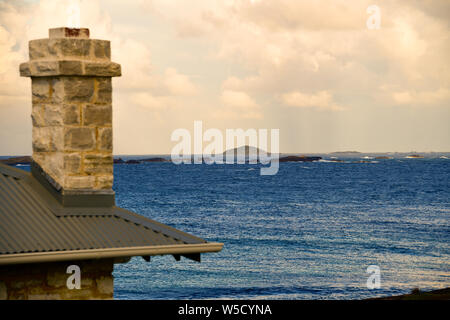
[[48, 281]]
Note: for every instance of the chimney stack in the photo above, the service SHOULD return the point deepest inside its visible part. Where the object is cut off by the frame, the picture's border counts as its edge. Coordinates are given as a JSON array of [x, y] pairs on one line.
[[72, 113]]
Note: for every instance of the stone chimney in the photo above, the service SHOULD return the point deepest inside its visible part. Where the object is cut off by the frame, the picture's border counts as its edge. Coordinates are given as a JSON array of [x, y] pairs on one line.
[[72, 112]]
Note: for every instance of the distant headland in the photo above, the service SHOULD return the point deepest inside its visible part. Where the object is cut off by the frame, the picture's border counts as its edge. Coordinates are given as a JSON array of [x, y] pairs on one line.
[[250, 152], [137, 161]]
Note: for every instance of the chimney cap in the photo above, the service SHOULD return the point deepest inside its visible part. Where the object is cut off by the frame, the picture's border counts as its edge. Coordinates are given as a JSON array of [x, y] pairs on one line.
[[64, 32]]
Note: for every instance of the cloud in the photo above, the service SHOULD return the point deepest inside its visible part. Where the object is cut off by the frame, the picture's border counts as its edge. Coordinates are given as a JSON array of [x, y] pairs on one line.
[[422, 98], [179, 84], [238, 99], [313, 15], [277, 46], [154, 103], [135, 58], [12, 53], [223, 61], [322, 100], [238, 105]]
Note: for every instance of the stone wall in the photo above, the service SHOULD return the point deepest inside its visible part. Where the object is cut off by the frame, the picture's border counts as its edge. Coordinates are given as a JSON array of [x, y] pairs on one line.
[[72, 130], [47, 281], [72, 108]]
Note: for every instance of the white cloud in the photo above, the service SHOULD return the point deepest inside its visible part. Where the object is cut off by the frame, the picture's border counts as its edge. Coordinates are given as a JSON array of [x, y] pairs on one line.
[[179, 84], [248, 56], [238, 99], [322, 100], [147, 100], [320, 45], [238, 105], [422, 98]]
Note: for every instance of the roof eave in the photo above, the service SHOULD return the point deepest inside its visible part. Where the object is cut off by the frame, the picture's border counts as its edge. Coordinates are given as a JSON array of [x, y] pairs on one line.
[[107, 253]]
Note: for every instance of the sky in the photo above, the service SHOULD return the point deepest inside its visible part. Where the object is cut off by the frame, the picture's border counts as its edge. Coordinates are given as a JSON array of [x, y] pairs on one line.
[[312, 69]]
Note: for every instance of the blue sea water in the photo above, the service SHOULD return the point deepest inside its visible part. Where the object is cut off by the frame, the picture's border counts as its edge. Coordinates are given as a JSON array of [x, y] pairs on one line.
[[309, 232]]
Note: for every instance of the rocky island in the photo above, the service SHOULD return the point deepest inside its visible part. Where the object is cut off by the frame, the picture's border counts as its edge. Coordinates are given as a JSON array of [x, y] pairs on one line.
[[299, 159], [138, 161]]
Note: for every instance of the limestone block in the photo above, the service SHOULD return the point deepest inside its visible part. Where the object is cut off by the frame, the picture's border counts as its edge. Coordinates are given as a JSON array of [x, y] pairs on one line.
[[37, 116], [105, 182], [30, 282], [71, 114], [104, 90], [44, 68], [24, 69], [41, 90], [78, 89], [69, 47], [57, 90], [105, 285], [86, 282], [102, 69], [70, 67], [53, 115], [56, 138], [39, 158], [57, 142], [105, 139], [79, 138], [98, 163], [67, 67], [79, 182], [72, 163], [53, 166], [57, 279], [99, 115], [102, 49], [51, 163], [42, 138], [38, 49]]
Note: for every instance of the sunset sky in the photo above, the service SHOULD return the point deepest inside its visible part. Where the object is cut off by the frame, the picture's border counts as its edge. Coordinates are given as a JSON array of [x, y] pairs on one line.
[[312, 69]]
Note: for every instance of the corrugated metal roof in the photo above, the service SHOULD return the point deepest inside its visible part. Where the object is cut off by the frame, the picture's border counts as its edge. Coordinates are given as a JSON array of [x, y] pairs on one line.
[[32, 221]]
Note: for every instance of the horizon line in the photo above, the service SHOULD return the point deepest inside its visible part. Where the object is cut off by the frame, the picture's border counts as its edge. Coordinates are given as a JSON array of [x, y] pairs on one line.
[[301, 153]]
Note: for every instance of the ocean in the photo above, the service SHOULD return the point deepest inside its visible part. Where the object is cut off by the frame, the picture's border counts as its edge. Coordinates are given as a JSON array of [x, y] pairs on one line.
[[309, 232]]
